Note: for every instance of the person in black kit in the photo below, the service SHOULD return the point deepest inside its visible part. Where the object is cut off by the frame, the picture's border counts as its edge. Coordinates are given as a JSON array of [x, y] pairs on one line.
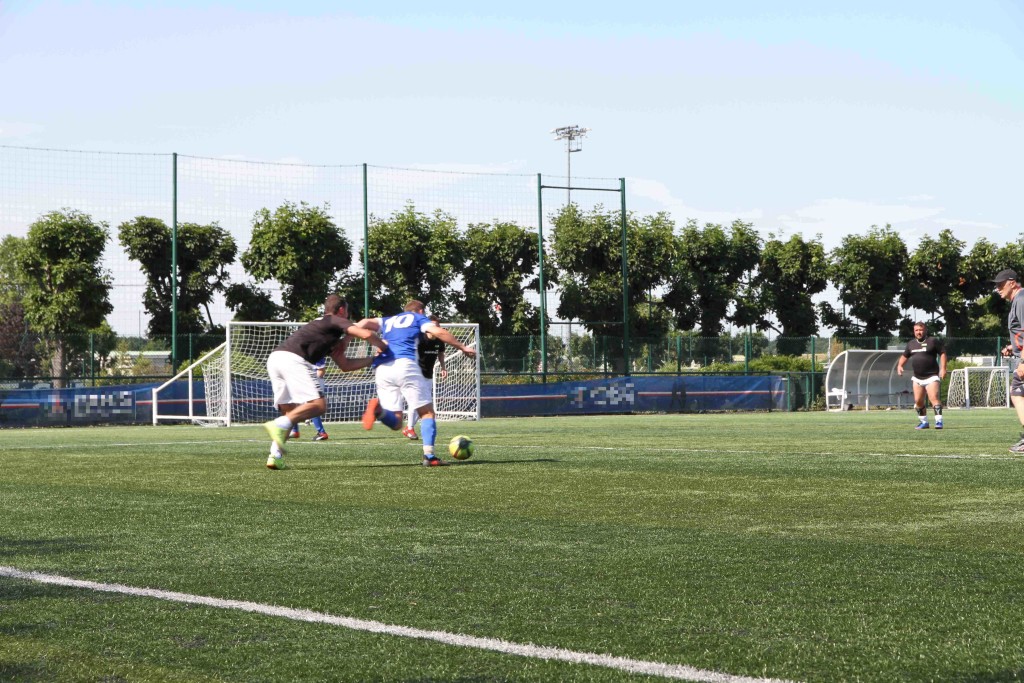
[[429, 351], [292, 374], [928, 359]]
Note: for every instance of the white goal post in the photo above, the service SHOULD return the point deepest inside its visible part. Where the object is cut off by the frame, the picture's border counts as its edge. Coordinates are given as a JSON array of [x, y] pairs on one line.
[[979, 387], [867, 379], [237, 388]]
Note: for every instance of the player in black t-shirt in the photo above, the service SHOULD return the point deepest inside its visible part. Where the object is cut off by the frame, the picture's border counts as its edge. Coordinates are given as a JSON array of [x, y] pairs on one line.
[[928, 360], [292, 376], [429, 352]]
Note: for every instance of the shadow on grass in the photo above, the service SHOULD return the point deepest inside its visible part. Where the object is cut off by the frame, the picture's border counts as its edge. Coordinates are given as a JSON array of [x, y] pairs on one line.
[[467, 463], [10, 547], [991, 677], [10, 671]]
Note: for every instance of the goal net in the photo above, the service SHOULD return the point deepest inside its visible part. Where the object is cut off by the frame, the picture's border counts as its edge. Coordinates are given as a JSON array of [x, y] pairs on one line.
[[979, 387], [237, 387], [867, 379]]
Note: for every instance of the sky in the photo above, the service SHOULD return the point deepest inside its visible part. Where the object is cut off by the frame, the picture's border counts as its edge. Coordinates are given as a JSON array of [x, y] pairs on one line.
[[806, 118]]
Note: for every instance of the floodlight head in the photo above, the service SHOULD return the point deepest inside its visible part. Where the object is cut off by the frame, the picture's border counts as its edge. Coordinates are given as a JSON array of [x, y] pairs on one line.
[[570, 132]]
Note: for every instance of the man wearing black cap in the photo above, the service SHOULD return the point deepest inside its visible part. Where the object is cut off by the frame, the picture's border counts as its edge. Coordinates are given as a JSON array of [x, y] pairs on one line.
[[1009, 288]]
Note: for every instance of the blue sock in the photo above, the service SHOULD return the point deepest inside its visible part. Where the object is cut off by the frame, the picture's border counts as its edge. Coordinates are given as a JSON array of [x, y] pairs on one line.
[[318, 424], [428, 430], [389, 419]]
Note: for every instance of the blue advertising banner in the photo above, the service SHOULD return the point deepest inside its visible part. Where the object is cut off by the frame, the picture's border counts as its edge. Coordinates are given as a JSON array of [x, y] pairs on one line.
[[635, 395], [126, 404], [132, 404]]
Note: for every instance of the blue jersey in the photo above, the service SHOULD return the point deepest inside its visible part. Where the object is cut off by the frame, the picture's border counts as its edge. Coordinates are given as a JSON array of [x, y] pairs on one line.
[[402, 333]]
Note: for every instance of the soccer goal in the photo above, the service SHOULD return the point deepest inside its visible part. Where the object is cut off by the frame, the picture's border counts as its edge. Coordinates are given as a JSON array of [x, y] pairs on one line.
[[979, 387], [236, 387], [867, 379]]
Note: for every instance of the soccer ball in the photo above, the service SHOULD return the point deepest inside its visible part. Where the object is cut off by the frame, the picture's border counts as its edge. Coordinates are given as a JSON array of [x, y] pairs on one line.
[[460, 447]]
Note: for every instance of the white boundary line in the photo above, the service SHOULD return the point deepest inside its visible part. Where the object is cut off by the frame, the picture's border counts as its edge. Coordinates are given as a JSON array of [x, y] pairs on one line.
[[539, 447], [679, 671]]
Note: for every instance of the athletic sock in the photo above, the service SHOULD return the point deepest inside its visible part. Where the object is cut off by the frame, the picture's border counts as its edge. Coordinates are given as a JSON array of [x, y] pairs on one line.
[[389, 419], [318, 424], [284, 423], [428, 432]]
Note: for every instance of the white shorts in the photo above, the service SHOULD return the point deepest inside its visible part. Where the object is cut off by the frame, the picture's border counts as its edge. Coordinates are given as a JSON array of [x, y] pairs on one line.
[[402, 378], [926, 381], [293, 379]]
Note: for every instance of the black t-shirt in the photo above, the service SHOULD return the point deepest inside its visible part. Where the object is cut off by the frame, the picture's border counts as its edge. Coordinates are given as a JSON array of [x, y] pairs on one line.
[[924, 357], [427, 351], [315, 339]]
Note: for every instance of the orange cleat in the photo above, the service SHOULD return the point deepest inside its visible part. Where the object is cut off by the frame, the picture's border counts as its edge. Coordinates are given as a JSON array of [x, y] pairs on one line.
[[370, 414]]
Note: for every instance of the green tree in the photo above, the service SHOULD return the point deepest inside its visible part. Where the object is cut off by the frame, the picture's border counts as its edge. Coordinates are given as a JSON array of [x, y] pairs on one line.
[[988, 311], [587, 248], [869, 273], [946, 282], [253, 304], [715, 268], [790, 274], [301, 248], [501, 265], [204, 253], [17, 340], [66, 291], [413, 255]]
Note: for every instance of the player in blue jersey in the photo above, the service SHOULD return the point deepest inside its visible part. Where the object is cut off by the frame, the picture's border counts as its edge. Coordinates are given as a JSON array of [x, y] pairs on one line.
[[399, 375], [431, 353]]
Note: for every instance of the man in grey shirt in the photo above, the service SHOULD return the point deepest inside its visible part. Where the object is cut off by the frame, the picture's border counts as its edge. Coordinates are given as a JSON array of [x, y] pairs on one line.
[[1009, 288]]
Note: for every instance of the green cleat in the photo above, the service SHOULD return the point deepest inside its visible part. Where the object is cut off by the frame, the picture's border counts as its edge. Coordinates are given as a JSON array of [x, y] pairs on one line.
[[277, 435], [276, 463]]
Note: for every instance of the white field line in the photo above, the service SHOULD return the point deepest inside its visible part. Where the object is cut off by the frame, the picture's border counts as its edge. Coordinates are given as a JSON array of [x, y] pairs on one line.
[[539, 447], [954, 456], [678, 671]]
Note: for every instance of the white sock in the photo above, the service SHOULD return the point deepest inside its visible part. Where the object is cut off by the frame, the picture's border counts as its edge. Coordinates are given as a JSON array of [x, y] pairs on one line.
[[284, 423], [275, 450]]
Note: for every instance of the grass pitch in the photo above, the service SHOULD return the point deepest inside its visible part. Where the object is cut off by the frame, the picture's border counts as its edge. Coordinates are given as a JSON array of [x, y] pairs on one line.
[[813, 547]]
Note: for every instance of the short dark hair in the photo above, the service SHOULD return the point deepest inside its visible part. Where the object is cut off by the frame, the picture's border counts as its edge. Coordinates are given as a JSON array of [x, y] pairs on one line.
[[920, 324], [333, 303], [414, 305]]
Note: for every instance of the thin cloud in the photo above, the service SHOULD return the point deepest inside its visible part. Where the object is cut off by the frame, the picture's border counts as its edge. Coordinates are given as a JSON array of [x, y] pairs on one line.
[[659, 194]]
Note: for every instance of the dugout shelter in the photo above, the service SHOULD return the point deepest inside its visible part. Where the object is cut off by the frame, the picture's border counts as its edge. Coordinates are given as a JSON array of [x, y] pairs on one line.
[[867, 379]]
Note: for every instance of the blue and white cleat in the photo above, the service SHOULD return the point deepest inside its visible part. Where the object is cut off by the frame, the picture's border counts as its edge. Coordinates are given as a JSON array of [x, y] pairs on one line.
[[921, 425]]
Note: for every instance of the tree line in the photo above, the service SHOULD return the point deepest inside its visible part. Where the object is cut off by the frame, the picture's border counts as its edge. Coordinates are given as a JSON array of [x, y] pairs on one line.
[[53, 288]]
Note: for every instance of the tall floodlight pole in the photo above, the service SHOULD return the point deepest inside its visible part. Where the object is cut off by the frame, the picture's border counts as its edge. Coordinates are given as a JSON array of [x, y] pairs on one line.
[[573, 136]]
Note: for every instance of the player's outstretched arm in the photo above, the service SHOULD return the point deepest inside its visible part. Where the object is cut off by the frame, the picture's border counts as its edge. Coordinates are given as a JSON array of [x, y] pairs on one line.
[[370, 324], [449, 338], [366, 335], [346, 364]]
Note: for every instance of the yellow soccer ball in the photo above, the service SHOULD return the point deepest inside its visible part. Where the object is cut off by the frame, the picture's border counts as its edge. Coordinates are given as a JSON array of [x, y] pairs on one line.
[[460, 447]]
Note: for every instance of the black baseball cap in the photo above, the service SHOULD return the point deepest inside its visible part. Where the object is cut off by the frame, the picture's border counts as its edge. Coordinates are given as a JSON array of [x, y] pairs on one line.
[[1004, 275]]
